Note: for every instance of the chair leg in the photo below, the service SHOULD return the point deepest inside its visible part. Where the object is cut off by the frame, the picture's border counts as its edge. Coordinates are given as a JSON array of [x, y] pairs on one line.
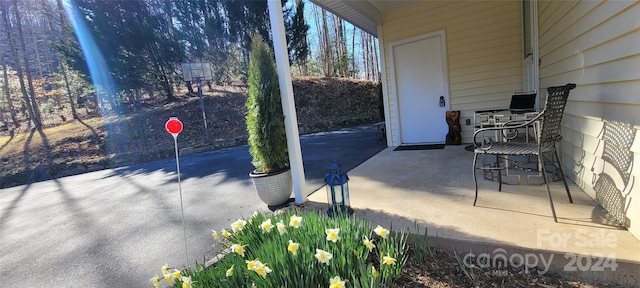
[[564, 180], [499, 173], [475, 180], [546, 182]]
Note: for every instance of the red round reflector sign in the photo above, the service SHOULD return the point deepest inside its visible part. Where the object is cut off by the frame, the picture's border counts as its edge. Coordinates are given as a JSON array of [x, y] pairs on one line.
[[173, 126]]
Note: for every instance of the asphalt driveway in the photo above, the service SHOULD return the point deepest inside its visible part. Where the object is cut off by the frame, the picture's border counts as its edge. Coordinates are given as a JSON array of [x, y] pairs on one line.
[[117, 227]]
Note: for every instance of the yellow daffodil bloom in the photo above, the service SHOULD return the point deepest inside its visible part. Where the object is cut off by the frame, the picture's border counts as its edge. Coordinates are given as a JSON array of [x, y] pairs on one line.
[[374, 272], [251, 265], [323, 256], [263, 270], [225, 233], [336, 282], [155, 281], [295, 221], [281, 227], [215, 234], [293, 247], [238, 249], [229, 272], [186, 282], [368, 243], [381, 232], [238, 225], [165, 269], [332, 234], [388, 260], [266, 226], [169, 278], [176, 274]]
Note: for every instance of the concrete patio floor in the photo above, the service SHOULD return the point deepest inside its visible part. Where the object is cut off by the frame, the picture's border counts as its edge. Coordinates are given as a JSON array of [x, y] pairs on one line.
[[435, 189]]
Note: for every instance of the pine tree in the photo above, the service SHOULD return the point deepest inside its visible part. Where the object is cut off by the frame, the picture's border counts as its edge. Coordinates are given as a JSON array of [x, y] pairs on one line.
[[297, 30]]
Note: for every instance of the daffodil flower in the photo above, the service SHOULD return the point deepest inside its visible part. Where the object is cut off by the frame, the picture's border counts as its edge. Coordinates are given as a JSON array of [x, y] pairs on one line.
[[323, 256], [225, 233], [332, 235], [295, 221], [368, 243], [155, 281], [336, 282], [186, 282], [215, 234], [251, 265], [281, 227], [169, 278], [263, 270], [238, 249], [388, 260], [266, 226], [381, 232], [165, 269], [238, 225], [374, 272], [293, 247], [229, 272], [176, 274]]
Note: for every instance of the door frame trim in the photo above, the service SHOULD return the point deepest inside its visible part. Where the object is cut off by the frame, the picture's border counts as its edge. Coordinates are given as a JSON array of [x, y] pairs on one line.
[[393, 82]]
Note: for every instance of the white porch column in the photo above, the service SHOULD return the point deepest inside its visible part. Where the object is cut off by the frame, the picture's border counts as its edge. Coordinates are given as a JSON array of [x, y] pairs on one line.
[[288, 104], [385, 88]]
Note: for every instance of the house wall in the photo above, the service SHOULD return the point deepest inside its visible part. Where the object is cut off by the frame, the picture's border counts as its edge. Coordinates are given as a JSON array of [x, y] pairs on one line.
[[596, 44], [484, 53]]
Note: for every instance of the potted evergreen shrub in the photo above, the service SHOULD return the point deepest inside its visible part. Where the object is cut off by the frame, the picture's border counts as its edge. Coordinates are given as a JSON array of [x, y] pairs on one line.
[[265, 126]]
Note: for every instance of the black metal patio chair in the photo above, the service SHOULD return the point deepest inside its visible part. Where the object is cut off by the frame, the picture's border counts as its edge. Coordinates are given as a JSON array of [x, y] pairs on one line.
[[549, 120]]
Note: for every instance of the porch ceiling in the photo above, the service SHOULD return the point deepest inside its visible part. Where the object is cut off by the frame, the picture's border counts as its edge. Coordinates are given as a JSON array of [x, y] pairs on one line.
[[364, 14]]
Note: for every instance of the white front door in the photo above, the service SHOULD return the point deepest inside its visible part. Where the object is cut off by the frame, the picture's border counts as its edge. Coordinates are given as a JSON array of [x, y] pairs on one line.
[[421, 83]]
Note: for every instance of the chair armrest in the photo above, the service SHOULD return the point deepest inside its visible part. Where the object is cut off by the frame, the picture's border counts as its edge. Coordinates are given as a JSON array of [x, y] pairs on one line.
[[509, 125], [489, 111]]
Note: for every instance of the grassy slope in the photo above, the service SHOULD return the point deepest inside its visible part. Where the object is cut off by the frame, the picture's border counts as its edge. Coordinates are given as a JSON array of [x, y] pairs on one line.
[[104, 142]]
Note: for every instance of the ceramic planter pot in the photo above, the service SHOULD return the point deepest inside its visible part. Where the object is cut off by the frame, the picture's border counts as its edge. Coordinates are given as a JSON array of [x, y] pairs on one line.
[[273, 188]]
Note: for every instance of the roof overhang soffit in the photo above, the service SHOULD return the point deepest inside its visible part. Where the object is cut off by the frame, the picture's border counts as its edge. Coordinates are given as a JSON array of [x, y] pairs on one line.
[[361, 14]]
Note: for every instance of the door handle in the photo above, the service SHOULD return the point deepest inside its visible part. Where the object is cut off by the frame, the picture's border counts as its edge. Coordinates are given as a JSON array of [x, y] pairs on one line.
[[442, 103]]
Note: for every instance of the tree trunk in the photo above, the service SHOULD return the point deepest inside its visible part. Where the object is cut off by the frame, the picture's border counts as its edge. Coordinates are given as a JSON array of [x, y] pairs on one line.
[[189, 87], [339, 46], [15, 55], [36, 111], [353, 52], [376, 67], [63, 68], [7, 95], [326, 47]]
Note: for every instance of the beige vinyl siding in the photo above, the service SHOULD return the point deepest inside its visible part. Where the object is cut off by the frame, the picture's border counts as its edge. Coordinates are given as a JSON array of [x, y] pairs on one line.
[[595, 44], [484, 52]]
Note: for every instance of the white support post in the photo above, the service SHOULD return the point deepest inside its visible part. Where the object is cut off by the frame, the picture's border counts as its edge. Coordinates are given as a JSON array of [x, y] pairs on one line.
[[288, 104], [385, 89]]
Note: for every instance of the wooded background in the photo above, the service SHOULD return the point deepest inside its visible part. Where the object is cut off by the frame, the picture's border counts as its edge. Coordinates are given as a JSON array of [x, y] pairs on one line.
[[143, 42]]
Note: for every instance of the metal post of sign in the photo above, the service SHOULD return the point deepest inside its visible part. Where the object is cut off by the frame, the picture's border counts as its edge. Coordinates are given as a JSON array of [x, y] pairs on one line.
[[174, 127], [204, 114]]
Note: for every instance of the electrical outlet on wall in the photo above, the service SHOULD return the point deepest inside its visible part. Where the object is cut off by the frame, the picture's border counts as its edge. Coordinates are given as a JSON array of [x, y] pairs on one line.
[[467, 122]]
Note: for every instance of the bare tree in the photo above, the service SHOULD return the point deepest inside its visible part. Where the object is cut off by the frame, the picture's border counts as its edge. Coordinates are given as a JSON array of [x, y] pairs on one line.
[[326, 46], [37, 121], [18, 66], [376, 68], [63, 69], [7, 94]]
